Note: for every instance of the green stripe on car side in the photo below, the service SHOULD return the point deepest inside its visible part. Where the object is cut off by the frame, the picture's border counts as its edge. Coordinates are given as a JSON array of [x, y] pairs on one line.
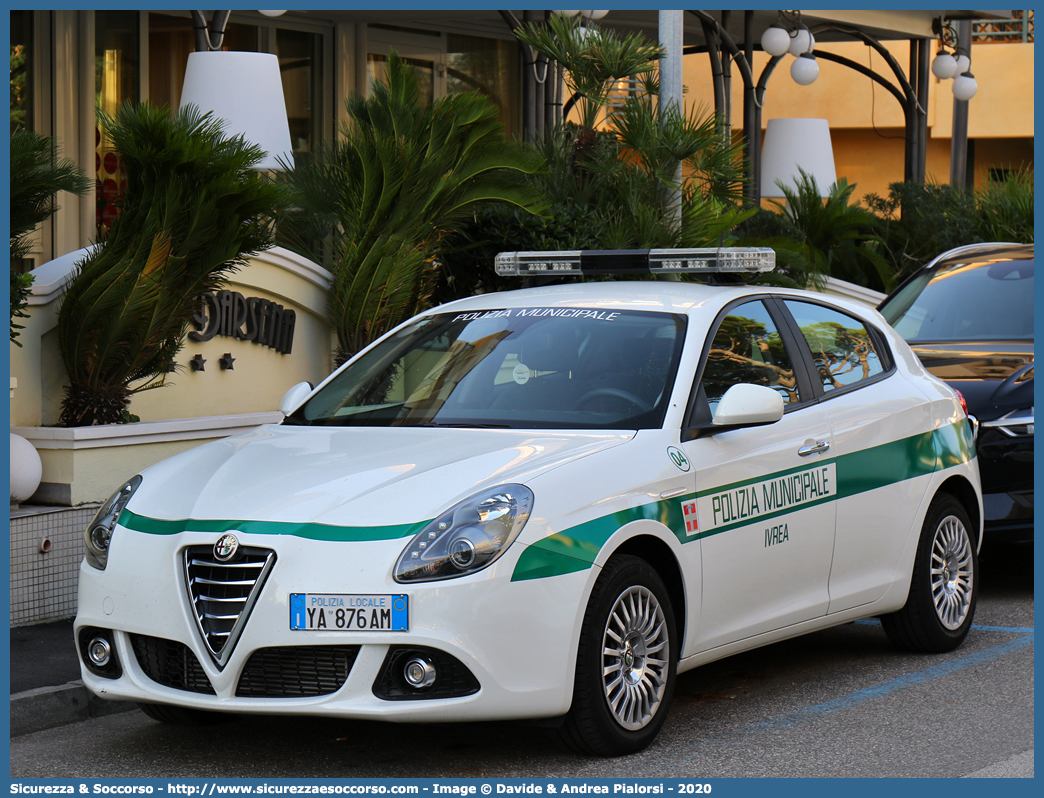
[[956, 445], [576, 548], [154, 526], [887, 464]]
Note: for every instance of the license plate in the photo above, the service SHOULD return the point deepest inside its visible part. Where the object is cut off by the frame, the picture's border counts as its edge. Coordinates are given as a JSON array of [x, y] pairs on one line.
[[349, 612]]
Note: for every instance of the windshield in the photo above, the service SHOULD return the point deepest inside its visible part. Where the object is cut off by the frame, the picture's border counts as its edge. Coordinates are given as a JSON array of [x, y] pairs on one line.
[[990, 301], [521, 368]]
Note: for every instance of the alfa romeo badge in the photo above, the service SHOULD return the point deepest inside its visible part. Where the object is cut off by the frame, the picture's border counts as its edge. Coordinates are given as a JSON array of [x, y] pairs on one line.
[[226, 547]]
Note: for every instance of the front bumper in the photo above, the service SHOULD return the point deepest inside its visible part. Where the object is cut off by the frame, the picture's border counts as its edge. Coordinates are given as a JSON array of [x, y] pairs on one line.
[[1009, 516], [1006, 465], [516, 639]]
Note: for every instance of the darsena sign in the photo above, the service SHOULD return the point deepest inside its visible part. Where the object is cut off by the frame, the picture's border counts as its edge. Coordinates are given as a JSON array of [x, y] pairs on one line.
[[230, 314]]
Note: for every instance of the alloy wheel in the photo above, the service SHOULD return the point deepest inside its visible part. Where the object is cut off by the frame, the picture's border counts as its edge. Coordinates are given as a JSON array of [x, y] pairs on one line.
[[952, 575], [635, 657]]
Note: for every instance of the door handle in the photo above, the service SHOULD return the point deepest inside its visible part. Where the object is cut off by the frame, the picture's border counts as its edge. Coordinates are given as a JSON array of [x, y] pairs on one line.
[[816, 448]]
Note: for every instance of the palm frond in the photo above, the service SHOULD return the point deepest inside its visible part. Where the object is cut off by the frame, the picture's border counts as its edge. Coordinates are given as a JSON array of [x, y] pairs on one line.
[[38, 173], [193, 211], [384, 197], [839, 236]]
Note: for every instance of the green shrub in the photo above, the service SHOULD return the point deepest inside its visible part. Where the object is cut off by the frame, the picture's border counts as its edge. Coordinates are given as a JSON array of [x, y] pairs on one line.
[[1004, 209], [918, 221], [838, 237], [37, 175], [194, 210], [388, 195]]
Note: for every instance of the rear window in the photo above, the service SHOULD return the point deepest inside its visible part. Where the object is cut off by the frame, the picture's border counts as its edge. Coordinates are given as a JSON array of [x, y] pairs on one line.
[[842, 347], [973, 301]]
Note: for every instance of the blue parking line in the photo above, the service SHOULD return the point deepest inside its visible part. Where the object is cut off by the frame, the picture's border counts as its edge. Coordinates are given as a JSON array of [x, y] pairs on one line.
[[903, 682], [1013, 629]]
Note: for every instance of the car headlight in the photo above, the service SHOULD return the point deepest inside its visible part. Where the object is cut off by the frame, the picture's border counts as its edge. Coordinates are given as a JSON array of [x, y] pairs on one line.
[[467, 537], [98, 535], [1016, 423]]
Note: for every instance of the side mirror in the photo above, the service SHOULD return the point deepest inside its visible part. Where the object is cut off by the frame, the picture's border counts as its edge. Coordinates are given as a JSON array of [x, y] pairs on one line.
[[743, 405], [746, 405], [294, 397]]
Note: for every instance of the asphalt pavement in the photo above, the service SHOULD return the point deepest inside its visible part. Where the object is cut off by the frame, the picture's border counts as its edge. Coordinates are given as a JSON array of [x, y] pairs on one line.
[[46, 690]]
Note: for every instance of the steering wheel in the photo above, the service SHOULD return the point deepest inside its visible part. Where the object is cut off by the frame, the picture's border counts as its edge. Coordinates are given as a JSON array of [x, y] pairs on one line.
[[614, 393]]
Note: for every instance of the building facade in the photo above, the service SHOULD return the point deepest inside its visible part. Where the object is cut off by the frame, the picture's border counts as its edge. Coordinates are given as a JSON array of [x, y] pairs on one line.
[[67, 63]]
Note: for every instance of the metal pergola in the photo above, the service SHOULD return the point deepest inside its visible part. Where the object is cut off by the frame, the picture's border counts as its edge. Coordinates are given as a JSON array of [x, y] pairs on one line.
[[730, 38]]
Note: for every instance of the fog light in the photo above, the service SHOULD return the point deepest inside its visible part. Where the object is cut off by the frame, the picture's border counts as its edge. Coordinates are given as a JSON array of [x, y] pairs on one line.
[[99, 651], [419, 673]]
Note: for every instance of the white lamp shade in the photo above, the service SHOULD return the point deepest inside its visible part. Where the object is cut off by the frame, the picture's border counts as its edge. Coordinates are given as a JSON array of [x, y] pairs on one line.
[[244, 90], [965, 87], [802, 42], [804, 70], [775, 41], [26, 469], [944, 66], [793, 144]]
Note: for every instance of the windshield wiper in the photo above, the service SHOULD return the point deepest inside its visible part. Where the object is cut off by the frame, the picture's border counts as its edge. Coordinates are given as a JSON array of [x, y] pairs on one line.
[[465, 425]]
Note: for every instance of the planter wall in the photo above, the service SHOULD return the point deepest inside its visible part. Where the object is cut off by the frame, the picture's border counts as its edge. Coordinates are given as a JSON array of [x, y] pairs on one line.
[[259, 373]]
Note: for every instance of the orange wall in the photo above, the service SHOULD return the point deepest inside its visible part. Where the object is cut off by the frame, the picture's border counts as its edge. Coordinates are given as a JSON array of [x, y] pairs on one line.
[[866, 121], [1003, 106]]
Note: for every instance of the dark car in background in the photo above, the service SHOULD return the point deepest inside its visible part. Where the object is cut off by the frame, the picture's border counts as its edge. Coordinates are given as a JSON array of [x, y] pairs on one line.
[[969, 317]]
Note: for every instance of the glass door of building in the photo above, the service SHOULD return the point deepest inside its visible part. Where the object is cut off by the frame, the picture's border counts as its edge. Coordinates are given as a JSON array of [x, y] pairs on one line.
[[425, 51]]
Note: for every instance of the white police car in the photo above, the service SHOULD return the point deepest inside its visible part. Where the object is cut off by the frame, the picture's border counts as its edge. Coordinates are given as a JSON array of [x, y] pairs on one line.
[[545, 503]]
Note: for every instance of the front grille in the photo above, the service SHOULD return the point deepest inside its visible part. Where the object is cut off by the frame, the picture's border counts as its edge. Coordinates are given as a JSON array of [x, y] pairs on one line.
[[223, 593], [171, 664], [296, 671]]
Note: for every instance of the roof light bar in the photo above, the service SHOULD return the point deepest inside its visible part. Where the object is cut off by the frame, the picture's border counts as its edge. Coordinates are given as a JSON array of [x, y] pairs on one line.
[[702, 260]]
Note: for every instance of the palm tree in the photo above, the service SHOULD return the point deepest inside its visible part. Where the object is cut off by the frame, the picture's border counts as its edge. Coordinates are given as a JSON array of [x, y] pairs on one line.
[[594, 60], [838, 237], [193, 211], [386, 197], [624, 156], [37, 175]]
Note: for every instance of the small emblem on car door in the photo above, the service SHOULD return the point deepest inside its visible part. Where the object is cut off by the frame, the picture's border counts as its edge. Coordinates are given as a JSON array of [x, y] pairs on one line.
[[678, 458]]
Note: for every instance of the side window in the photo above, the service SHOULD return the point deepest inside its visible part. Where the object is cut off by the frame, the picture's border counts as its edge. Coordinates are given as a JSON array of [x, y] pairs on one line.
[[842, 348], [747, 347]]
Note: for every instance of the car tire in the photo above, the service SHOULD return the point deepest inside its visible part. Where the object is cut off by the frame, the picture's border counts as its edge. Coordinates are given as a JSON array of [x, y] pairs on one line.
[[628, 624], [182, 716], [944, 588]]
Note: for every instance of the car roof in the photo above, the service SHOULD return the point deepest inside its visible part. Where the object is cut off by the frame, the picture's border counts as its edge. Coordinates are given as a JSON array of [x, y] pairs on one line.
[[987, 252], [663, 296]]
